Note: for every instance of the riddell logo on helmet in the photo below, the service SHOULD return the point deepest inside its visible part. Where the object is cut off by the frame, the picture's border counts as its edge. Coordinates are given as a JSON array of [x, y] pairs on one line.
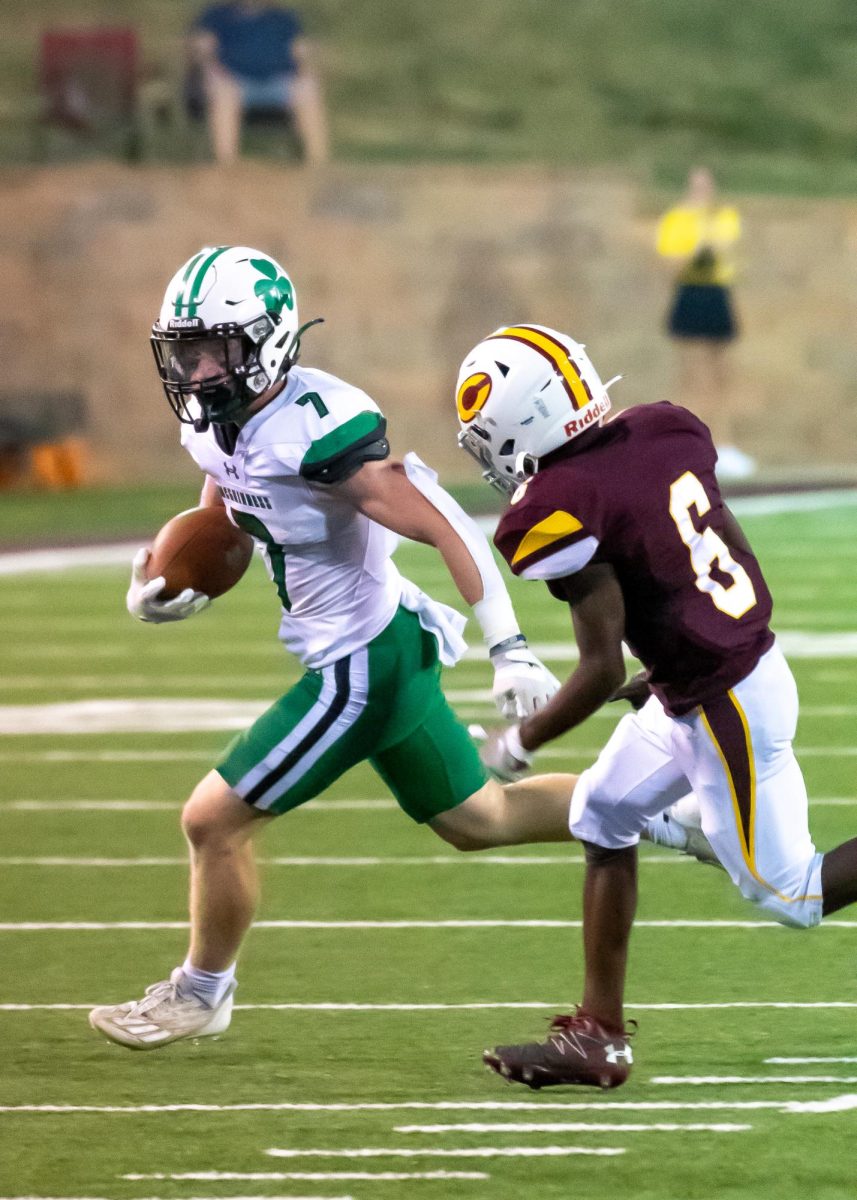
[[593, 413], [184, 323]]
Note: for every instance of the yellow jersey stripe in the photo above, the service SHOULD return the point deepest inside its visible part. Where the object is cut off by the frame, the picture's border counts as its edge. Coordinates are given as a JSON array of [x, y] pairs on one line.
[[558, 525]]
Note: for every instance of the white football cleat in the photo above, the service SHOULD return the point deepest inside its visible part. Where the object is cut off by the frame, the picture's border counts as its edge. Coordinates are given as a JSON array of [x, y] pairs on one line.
[[680, 827], [163, 1015]]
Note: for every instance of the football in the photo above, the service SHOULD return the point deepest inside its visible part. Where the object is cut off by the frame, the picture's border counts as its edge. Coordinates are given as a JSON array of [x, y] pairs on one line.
[[200, 549]]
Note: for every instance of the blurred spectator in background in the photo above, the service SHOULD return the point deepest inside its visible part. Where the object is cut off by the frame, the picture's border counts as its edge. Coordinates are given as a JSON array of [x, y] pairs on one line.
[[700, 235], [253, 56]]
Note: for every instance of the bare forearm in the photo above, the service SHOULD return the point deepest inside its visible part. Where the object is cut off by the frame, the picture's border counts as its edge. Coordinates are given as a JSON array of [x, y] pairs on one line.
[[460, 565], [583, 693], [410, 515], [598, 616], [418, 508]]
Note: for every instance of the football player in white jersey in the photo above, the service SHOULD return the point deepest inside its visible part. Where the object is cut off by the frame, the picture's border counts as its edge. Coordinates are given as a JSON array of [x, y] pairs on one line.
[[301, 461]]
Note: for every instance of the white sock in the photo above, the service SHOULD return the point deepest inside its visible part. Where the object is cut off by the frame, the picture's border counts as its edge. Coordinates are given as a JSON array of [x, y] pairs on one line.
[[208, 986]]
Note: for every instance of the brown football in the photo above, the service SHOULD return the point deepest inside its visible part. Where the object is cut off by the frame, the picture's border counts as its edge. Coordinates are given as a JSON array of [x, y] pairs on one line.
[[200, 549]]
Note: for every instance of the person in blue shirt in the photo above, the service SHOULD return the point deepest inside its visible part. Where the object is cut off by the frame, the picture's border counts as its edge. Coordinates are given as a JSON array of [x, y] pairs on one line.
[[254, 55]]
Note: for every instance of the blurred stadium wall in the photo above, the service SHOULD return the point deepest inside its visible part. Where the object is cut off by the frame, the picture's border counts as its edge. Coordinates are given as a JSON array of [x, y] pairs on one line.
[[410, 266]]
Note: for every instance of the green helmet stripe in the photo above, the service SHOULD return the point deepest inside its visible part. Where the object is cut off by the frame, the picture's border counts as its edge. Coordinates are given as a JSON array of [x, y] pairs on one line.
[[185, 277], [196, 286]]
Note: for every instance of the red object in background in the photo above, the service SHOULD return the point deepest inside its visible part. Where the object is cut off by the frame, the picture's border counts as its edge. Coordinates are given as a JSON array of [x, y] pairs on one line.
[[89, 77]]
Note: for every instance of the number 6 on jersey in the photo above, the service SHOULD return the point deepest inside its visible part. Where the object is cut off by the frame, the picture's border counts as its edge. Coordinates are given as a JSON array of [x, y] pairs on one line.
[[707, 548]]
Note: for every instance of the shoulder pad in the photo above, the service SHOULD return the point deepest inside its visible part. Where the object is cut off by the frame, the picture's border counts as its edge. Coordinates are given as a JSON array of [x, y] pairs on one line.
[[342, 452]]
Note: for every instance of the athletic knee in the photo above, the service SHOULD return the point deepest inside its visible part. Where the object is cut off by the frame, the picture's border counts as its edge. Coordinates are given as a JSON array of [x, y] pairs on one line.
[[600, 856], [799, 913], [466, 840], [196, 822], [796, 907], [214, 814], [466, 835]]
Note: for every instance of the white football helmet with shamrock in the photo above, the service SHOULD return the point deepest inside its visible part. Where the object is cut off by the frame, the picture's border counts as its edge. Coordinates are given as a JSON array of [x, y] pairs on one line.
[[227, 331]]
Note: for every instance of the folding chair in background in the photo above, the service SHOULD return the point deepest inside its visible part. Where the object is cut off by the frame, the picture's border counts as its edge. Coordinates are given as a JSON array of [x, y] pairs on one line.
[[89, 83]]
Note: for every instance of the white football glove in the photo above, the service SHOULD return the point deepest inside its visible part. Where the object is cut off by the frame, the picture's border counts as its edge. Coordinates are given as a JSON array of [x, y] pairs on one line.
[[502, 753], [142, 599], [522, 684]]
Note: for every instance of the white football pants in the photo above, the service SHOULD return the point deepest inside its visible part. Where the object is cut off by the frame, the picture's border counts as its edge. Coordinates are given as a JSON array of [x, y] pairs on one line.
[[736, 755]]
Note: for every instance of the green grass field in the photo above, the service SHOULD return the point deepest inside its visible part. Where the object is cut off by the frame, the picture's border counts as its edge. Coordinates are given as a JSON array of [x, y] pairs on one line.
[[355, 1048]]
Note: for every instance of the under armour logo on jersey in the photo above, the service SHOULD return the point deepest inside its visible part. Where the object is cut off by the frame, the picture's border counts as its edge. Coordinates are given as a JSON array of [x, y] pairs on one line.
[[230, 470], [613, 1055]]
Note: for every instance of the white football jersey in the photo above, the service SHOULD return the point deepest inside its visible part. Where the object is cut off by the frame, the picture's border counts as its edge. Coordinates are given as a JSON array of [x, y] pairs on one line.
[[331, 565]]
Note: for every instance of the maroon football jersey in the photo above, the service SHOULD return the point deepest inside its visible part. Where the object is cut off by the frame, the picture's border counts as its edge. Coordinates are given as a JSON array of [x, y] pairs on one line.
[[641, 495]]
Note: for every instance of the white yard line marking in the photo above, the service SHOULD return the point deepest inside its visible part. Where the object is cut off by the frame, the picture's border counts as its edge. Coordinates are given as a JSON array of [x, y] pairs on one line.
[[834, 1104], [394, 1106], [25, 561], [197, 715], [572, 1127], [290, 1197], [436, 860], [796, 1062], [486, 1005], [129, 716], [312, 806], [106, 926], [474, 1152], [701, 1080], [794, 643], [452, 923], [368, 805], [31, 806], [554, 753], [308, 1176], [111, 756]]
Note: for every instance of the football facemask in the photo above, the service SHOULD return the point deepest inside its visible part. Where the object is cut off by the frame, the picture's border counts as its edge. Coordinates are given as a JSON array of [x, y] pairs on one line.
[[522, 392]]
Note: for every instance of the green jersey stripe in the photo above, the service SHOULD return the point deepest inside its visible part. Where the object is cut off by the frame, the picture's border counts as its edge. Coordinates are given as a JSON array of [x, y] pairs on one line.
[[196, 286], [185, 277], [340, 439]]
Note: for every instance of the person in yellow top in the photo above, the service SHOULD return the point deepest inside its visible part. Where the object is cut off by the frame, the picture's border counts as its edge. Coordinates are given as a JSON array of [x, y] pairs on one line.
[[699, 235]]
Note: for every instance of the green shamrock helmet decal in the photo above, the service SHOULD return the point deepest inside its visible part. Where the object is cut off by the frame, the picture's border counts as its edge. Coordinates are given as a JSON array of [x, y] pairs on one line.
[[274, 289]]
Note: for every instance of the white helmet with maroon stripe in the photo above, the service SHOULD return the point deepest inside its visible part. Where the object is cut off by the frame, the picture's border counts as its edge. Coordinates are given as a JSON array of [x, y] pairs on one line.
[[524, 391]]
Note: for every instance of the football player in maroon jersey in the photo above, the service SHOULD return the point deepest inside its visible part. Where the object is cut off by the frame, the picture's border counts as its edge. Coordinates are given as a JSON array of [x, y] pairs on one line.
[[624, 521]]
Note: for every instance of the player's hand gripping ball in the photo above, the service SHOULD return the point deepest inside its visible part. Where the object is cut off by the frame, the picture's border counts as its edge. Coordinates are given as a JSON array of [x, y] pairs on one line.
[[196, 556]]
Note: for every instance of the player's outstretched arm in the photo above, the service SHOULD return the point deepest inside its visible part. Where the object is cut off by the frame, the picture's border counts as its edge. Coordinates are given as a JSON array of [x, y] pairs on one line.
[[598, 615], [406, 498]]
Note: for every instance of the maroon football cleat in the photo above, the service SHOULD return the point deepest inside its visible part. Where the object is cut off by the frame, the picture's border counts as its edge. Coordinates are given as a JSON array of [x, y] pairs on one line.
[[578, 1050]]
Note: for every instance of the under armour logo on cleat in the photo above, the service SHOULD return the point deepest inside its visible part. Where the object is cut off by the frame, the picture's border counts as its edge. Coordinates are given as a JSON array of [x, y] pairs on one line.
[[613, 1055]]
